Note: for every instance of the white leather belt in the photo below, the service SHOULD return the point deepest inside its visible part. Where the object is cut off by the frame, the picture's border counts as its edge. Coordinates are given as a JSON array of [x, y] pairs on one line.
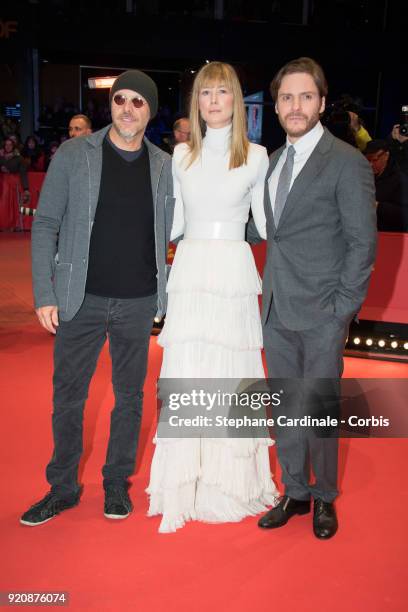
[[217, 230]]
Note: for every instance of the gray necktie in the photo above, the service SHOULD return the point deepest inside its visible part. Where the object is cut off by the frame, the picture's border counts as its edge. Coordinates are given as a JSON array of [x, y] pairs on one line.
[[283, 185]]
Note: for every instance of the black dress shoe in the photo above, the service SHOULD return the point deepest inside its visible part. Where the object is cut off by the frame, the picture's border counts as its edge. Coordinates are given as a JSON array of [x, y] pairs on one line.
[[324, 520], [279, 516]]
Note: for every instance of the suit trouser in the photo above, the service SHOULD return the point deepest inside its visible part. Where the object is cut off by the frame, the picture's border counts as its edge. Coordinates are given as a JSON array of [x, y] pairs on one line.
[[315, 353], [127, 323]]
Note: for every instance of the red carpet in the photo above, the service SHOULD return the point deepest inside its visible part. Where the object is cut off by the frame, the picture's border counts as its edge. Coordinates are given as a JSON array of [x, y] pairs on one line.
[[127, 565]]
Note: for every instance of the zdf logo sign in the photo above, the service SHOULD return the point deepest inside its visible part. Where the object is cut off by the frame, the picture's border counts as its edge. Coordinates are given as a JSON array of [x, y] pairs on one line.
[[7, 28]]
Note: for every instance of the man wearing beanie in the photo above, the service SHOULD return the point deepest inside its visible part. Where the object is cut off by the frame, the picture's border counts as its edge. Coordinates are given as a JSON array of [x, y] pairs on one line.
[[99, 245]]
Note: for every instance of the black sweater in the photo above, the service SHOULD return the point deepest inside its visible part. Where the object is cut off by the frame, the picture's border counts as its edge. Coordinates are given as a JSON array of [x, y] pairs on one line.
[[122, 261]]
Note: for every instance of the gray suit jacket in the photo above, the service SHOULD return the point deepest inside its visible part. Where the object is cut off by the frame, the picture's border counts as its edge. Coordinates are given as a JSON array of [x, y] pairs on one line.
[[320, 257], [62, 227]]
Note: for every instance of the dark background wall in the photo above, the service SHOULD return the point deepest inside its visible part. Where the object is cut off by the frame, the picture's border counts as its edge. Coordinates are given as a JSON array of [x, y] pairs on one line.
[[359, 43]]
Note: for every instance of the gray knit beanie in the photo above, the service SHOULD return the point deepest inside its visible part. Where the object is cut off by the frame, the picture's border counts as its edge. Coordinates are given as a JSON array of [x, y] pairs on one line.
[[140, 83]]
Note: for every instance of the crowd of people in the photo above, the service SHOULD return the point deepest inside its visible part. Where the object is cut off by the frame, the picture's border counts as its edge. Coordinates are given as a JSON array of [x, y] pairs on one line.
[[63, 122], [388, 158], [34, 154]]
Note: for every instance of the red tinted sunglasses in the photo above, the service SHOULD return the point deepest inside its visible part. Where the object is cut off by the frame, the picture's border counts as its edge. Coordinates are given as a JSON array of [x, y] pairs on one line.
[[120, 101]]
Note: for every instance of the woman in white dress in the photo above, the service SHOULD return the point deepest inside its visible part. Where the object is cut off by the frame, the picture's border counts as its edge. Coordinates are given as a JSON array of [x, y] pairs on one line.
[[212, 328]]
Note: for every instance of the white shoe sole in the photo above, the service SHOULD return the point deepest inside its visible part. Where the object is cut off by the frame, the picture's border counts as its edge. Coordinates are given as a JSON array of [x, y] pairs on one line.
[[116, 516], [35, 524]]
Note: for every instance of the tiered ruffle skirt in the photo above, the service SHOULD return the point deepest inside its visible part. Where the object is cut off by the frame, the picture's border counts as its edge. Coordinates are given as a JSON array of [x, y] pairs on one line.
[[212, 330]]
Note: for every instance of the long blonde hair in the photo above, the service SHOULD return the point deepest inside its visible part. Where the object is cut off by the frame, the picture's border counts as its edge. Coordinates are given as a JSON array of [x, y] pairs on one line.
[[210, 75]]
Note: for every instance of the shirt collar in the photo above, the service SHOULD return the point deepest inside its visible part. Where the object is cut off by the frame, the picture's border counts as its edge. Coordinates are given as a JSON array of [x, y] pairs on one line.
[[307, 141]]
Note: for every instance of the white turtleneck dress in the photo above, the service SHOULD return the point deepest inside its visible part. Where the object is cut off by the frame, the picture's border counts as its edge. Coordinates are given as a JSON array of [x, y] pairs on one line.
[[213, 331]]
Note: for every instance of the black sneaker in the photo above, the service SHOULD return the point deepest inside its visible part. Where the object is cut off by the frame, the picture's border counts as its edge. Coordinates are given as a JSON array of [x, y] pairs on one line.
[[117, 502], [46, 509]]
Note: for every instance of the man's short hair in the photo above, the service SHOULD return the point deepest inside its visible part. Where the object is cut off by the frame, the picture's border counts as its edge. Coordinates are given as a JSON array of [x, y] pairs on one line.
[[302, 64], [84, 118], [177, 123], [376, 145]]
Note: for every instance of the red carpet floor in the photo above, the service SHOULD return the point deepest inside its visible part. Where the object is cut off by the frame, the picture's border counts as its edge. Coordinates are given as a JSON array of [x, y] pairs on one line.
[[127, 565]]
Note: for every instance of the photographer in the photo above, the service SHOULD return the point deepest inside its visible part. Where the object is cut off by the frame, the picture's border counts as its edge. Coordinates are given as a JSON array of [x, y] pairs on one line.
[[344, 121], [391, 188], [339, 124], [398, 144], [361, 135]]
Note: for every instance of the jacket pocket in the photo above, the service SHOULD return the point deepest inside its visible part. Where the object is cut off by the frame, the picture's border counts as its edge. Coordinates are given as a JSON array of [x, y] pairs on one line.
[[62, 282]]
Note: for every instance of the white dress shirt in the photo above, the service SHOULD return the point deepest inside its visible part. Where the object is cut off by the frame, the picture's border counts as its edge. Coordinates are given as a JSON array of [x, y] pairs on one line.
[[303, 150]]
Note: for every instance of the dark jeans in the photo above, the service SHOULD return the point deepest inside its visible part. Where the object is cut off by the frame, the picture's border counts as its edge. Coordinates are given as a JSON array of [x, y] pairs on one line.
[[78, 343]]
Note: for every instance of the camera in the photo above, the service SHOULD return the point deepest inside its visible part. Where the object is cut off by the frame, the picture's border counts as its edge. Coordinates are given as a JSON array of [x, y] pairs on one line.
[[403, 128]]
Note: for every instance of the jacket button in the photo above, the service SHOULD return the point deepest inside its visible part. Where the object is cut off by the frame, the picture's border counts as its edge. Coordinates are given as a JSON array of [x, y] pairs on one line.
[[277, 238], [84, 260]]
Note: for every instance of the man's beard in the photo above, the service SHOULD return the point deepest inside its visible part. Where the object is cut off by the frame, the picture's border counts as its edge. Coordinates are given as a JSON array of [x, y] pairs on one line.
[[308, 125], [127, 135]]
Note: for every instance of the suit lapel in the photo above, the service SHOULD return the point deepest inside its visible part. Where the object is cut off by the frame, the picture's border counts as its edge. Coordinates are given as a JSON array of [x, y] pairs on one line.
[[309, 172], [267, 204], [94, 160], [156, 166], [273, 160], [94, 155]]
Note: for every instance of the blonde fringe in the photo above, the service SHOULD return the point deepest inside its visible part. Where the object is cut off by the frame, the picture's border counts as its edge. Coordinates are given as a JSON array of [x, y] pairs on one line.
[[214, 74]]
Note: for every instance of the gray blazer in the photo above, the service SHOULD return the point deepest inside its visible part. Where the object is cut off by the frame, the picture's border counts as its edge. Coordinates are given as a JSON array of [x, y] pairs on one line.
[[320, 257], [62, 227]]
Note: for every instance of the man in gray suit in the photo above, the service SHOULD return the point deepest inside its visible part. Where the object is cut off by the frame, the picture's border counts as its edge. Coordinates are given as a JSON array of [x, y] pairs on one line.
[[321, 232], [99, 246]]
